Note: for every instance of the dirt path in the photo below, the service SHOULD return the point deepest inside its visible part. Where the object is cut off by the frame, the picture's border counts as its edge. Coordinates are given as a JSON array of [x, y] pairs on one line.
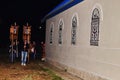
[[32, 71], [35, 70], [15, 71]]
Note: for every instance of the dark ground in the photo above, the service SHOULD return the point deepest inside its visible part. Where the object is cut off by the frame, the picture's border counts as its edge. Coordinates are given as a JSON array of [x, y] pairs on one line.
[[34, 70]]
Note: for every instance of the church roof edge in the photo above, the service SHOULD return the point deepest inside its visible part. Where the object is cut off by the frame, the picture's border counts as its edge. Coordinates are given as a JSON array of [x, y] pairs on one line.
[[61, 7]]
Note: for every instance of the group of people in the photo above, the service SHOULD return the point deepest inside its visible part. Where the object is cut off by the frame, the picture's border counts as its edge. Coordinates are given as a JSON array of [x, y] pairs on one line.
[[28, 50]]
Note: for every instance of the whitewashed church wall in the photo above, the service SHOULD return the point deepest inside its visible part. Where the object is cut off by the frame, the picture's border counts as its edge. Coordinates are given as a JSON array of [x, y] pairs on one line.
[[102, 60]]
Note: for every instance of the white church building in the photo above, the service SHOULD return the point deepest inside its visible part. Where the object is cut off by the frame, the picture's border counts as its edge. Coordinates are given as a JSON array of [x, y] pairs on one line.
[[83, 38]]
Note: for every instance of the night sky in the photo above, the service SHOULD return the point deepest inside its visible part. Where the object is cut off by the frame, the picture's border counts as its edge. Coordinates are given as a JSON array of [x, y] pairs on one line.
[[21, 12]]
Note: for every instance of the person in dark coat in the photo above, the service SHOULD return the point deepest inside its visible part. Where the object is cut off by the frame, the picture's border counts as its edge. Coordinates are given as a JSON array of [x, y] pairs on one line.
[[33, 50]]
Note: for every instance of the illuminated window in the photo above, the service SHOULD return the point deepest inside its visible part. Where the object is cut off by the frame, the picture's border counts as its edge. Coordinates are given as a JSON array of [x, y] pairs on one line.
[[95, 21], [73, 31], [60, 32], [51, 33]]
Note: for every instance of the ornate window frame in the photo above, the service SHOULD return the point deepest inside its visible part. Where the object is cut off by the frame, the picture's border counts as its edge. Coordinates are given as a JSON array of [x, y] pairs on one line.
[[51, 33], [74, 25], [95, 23], [60, 31]]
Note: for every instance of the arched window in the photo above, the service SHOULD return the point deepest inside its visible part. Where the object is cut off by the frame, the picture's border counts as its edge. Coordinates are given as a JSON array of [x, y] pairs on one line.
[[60, 32], [51, 33], [95, 21], [73, 30]]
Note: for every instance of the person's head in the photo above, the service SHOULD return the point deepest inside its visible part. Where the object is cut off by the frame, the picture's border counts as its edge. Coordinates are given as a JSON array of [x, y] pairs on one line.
[[42, 42]]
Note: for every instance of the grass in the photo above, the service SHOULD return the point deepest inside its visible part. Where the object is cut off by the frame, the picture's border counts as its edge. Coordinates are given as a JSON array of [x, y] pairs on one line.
[[52, 74]]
